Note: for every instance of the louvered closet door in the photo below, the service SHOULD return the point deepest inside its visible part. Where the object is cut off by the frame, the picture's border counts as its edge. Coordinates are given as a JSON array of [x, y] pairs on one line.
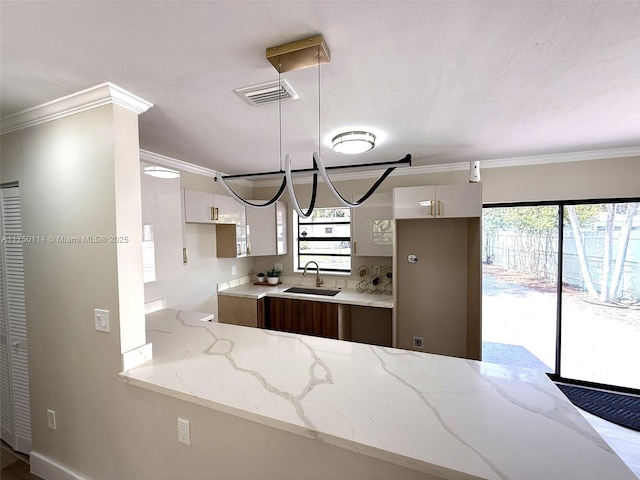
[[16, 415]]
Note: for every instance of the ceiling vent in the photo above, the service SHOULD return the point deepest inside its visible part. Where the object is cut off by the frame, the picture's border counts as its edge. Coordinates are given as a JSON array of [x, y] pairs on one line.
[[267, 93]]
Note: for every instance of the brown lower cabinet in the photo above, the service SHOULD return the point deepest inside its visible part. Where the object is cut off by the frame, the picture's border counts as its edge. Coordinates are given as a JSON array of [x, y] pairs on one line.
[[301, 316], [247, 312]]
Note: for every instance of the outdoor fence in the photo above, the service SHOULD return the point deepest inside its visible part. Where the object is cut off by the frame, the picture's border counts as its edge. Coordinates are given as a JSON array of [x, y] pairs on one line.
[[538, 257]]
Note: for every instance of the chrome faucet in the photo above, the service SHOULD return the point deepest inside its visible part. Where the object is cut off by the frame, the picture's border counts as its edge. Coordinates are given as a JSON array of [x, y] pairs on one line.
[[318, 277]]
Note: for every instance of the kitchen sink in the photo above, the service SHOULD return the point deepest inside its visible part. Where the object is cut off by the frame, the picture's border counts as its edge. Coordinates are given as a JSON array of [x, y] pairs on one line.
[[328, 292]]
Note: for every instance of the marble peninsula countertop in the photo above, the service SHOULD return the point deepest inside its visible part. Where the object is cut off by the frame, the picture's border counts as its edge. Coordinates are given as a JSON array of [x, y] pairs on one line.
[[348, 294], [447, 417]]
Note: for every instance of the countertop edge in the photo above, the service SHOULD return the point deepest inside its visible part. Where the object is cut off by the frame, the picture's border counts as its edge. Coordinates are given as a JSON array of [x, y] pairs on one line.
[[384, 455]]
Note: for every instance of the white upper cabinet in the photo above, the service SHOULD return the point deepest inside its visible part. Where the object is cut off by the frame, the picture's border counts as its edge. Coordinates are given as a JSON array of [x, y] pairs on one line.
[[227, 210], [231, 228], [204, 207], [267, 229], [372, 226], [438, 201], [281, 228], [198, 207]]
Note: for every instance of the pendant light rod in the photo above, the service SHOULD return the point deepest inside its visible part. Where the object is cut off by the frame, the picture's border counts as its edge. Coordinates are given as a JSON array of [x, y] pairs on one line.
[[293, 56], [346, 203], [403, 162]]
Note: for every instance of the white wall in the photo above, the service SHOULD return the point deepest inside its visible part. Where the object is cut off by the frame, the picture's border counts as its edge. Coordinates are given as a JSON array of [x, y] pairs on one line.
[[195, 288]]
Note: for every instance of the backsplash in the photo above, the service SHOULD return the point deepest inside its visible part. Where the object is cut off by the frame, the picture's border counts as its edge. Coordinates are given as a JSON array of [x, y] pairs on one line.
[[375, 279]]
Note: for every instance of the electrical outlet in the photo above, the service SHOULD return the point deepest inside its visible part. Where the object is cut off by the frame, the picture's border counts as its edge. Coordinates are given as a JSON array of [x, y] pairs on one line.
[[418, 342], [278, 266], [51, 419], [184, 431], [234, 270]]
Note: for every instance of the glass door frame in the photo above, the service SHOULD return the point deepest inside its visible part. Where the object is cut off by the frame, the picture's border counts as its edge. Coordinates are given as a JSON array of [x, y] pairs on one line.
[[561, 204]]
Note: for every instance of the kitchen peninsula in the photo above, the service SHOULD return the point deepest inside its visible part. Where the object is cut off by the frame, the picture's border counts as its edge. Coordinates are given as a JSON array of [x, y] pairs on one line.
[[446, 417]]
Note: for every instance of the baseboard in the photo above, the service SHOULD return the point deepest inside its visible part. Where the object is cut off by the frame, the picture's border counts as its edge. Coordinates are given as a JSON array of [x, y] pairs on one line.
[[49, 470]]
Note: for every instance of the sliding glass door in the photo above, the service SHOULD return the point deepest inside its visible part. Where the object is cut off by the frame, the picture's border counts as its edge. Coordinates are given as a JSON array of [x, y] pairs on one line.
[[519, 277], [561, 289], [601, 294]]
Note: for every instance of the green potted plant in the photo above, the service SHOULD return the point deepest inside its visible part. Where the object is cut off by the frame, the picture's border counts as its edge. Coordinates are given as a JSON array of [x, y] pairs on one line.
[[273, 276]]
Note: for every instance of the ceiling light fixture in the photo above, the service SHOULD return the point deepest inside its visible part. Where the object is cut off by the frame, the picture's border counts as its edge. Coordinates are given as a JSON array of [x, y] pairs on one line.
[[353, 143], [161, 172], [294, 56]]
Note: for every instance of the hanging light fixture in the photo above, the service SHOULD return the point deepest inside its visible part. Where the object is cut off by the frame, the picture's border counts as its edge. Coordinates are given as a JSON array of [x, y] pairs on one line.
[[353, 143], [296, 55]]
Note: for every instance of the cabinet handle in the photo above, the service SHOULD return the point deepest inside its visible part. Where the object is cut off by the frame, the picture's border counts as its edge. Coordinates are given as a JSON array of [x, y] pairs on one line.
[[355, 248], [185, 256], [214, 213], [431, 207], [439, 208]]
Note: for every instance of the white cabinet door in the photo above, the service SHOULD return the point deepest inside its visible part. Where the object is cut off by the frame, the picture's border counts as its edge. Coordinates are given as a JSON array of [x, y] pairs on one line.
[[262, 229], [459, 200], [372, 226], [414, 202], [198, 207], [281, 228], [240, 218], [225, 209], [438, 201], [267, 229], [204, 207]]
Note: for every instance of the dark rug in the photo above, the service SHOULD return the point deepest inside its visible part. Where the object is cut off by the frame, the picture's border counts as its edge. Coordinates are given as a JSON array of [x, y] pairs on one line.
[[515, 355], [617, 408]]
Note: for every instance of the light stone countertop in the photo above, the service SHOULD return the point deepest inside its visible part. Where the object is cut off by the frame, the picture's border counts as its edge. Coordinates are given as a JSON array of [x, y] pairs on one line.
[[445, 416], [347, 295]]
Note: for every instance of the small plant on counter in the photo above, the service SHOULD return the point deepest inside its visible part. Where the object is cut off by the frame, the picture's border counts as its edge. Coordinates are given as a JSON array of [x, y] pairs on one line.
[[260, 277], [272, 272], [273, 276]]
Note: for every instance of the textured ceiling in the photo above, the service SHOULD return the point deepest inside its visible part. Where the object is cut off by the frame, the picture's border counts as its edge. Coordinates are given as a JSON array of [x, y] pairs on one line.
[[444, 81]]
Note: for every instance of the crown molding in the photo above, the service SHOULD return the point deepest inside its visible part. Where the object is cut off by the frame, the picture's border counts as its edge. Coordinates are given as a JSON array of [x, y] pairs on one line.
[[418, 170], [563, 157], [94, 97], [164, 161], [491, 163]]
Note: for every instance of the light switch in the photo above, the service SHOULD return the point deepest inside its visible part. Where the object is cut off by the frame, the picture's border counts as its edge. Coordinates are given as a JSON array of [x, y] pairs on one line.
[[102, 320], [51, 419]]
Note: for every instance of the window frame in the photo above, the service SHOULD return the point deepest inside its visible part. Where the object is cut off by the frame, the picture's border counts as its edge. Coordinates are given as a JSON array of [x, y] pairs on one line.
[[299, 221]]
